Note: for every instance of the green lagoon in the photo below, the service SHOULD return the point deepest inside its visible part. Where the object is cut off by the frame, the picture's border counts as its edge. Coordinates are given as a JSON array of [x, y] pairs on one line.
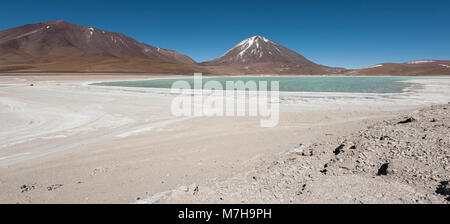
[[293, 83]]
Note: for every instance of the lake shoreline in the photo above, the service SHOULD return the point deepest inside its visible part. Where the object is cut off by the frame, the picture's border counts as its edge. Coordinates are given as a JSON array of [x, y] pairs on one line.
[[109, 145]]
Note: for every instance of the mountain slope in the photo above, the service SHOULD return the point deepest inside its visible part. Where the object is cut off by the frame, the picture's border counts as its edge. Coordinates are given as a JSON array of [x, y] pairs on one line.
[[62, 46], [258, 54], [59, 46], [412, 68]]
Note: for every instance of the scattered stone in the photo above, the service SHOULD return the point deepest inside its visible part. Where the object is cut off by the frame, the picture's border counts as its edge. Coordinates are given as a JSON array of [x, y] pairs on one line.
[[26, 188], [196, 190], [193, 188], [338, 149], [54, 187], [414, 157], [31, 84], [408, 120], [309, 153], [383, 169], [444, 189]]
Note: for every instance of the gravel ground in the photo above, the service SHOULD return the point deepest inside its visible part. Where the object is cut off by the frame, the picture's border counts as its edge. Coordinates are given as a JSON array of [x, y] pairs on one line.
[[402, 160]]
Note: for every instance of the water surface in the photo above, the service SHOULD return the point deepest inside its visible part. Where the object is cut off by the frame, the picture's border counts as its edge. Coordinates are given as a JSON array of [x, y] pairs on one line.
[[293, 84]]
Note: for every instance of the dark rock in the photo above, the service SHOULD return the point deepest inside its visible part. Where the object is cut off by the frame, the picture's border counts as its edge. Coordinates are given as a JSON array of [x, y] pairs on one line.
[[444, 189], [408, 120], [353, 147], [383, 169], [338, 149], [54, 187], [26, 188], [302, 189], [196, 190]]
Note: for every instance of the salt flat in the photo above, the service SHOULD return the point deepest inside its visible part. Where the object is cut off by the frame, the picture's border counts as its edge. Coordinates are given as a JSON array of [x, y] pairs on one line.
[[117, 145]]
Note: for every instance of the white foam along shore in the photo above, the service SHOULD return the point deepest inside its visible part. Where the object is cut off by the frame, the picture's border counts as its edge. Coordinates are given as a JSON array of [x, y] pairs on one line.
[[421, 92]]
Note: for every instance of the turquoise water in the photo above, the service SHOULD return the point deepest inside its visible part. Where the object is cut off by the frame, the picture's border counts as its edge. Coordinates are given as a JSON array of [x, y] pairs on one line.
[[295, 84]]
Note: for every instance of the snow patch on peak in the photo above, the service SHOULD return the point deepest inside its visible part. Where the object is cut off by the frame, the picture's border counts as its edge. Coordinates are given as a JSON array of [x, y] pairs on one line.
[[245, 45], [378, 65], [262, 38], [420, 61], [91, 31], [254, 45], [252, 40]]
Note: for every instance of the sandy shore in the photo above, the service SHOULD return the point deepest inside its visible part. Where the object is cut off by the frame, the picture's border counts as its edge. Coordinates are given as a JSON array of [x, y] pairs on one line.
[[62, 141]]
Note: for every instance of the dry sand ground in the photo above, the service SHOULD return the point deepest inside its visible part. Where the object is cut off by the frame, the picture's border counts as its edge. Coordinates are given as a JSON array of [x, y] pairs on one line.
[[64, 142], [402, 160]]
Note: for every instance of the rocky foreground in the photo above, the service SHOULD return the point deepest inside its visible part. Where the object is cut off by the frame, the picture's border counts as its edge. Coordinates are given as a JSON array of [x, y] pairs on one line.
[[403, 160]]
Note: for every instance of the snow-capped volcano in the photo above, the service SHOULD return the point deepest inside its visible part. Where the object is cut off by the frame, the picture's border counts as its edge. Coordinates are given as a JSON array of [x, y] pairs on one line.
[[258, 54], [259, 49]]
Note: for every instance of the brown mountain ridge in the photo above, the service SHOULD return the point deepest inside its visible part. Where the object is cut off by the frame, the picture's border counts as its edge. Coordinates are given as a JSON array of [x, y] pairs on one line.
[[60, 46], [412, 68], [63, 46]]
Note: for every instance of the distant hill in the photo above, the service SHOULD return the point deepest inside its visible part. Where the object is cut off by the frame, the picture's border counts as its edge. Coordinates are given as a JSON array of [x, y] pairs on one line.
[[412, 68], [63, 46]]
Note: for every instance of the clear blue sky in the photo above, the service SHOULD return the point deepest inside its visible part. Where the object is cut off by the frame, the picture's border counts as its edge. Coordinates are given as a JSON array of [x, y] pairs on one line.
[[345, 33]]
